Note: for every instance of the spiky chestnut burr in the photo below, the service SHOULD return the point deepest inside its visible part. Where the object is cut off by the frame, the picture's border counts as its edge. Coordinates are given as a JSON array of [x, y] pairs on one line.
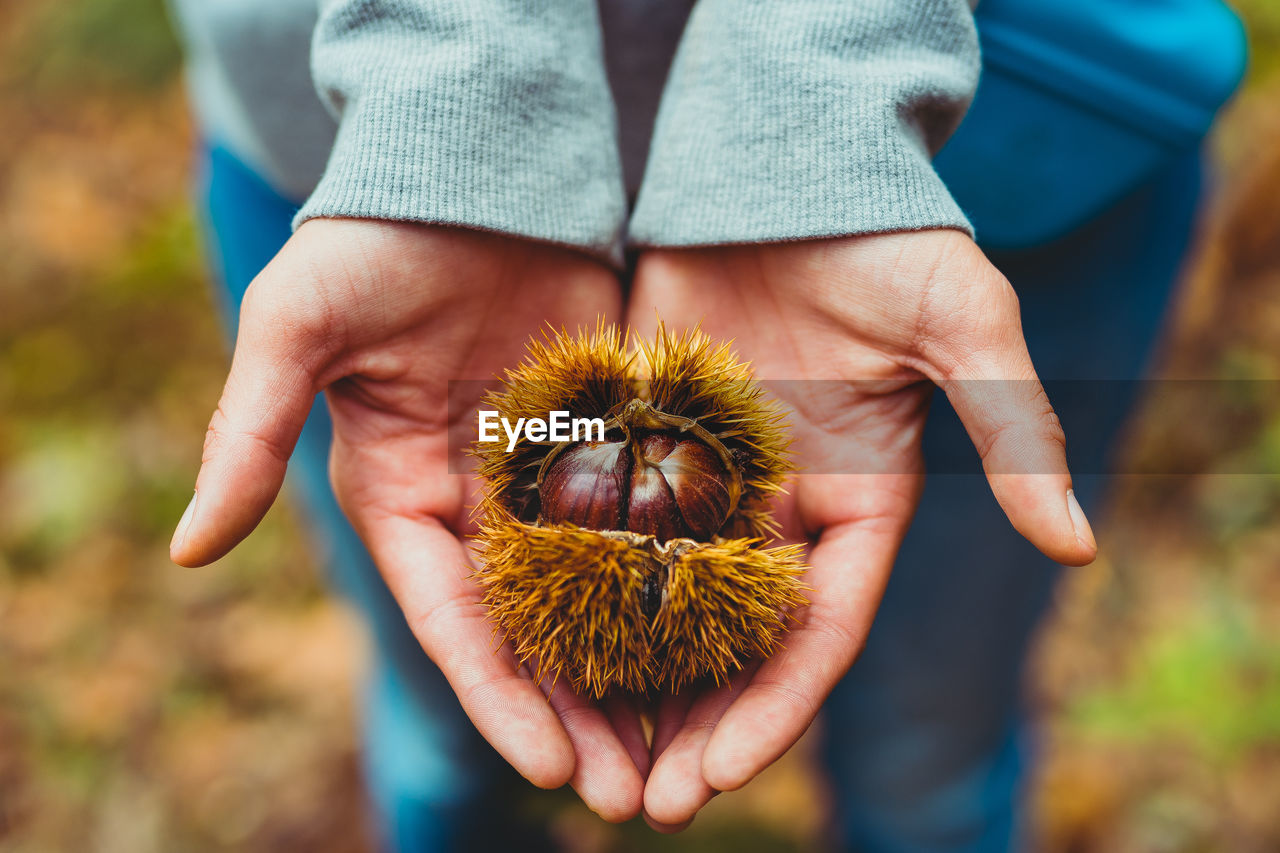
[[639, 561]]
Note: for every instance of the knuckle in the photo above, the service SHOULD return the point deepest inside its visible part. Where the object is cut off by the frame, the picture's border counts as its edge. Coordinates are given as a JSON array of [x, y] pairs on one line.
[[429, 621], [215, 434], [988, 442], [576, 717], [1003, 295], [964, 312], [1051, 426], [480, 694], [789, 696], [293, 315], [1038, 422], [222, 432], [841, 637], [704, 724]]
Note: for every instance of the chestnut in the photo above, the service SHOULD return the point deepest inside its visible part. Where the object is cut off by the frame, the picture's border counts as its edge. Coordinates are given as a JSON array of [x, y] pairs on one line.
[[652, 483]]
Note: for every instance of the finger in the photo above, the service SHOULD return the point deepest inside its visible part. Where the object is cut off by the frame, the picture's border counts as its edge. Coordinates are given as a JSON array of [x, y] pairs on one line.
[[666, 828], [994, 389], [266, 399], [605, 775], [1023, 450], [850, 566], [676, 789], [625, 716], [672, 711], [426, 568]]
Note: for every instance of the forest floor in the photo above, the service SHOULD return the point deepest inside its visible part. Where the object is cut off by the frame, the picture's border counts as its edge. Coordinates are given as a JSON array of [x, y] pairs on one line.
[[146, 707]]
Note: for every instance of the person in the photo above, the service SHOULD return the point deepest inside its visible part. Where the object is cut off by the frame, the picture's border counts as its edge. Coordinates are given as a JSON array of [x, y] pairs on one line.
[[473, 170]]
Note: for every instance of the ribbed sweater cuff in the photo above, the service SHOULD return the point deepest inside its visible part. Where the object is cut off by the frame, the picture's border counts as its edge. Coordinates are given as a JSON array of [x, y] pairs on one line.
[[454, 113], [792, 120]]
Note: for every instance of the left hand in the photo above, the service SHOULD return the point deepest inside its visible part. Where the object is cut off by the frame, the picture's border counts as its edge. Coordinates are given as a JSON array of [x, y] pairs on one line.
[[882, 319]]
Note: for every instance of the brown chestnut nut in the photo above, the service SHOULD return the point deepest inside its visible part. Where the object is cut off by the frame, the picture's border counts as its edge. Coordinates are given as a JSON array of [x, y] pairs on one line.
[[588, 486], [656, 484]]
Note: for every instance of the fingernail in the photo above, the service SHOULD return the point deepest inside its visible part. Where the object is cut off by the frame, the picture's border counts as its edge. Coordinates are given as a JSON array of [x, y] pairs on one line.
[[1084, 532], [180, 534]]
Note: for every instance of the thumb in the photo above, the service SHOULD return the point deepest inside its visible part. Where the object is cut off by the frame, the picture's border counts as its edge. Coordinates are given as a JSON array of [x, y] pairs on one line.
[[994, 389], [264, 404]]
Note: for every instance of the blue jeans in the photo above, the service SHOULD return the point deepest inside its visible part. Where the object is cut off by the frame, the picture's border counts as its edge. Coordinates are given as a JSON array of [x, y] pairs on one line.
[[926, 741]]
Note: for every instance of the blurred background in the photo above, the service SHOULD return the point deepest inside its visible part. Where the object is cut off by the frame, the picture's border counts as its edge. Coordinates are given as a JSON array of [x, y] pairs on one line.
[[146, 707]]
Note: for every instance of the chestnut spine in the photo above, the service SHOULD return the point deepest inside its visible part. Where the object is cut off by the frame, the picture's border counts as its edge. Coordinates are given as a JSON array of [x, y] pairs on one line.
[[642, 561]]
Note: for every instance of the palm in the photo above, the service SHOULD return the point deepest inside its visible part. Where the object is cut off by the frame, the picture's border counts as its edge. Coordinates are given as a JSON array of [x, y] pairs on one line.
[[386, 318], [848, 335]]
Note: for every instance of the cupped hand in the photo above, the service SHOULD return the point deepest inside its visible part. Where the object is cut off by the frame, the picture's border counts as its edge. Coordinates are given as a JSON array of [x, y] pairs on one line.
[[381, 316], [861, 329]]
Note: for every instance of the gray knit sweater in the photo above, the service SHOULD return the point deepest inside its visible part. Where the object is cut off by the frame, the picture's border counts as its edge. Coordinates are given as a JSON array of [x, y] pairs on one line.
[[593, 124]]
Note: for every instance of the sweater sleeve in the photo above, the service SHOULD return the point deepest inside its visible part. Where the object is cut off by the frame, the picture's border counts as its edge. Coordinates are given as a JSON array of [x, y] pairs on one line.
[[490, 114], [793, 119]]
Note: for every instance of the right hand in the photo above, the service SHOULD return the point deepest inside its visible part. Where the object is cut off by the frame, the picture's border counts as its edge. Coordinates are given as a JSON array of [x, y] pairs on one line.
[[381, 316]]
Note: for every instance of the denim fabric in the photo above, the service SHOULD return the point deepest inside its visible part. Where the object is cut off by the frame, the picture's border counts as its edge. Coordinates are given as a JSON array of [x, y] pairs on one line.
[[425, 765], [926, 740]]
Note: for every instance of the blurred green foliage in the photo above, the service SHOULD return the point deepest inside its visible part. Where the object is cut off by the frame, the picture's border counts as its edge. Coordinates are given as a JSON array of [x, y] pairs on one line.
[[82, 361], [100, 43], [1210, 683], [1262, 19]]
